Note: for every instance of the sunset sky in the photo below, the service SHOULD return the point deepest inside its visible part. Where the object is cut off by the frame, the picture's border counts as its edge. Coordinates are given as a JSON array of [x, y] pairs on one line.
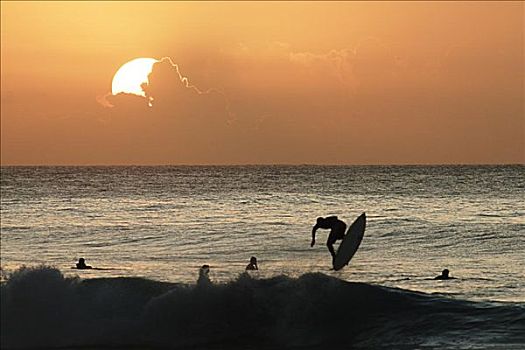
[[267, 83]]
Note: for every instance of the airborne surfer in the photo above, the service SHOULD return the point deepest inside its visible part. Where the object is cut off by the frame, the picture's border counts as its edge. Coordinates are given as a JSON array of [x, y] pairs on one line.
[[337, 231]]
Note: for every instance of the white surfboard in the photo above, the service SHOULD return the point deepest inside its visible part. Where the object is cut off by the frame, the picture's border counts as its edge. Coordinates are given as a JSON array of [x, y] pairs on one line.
[[350, 243]]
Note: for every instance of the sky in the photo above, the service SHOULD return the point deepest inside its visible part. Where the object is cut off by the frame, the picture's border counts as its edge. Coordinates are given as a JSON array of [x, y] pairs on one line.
[[264, 83]]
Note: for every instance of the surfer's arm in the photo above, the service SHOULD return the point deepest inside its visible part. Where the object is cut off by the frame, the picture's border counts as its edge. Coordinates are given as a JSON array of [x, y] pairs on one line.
[[313, 235]]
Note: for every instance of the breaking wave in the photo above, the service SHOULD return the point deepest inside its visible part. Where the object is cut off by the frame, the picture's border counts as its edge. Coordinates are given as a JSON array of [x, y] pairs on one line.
[[40, 308]]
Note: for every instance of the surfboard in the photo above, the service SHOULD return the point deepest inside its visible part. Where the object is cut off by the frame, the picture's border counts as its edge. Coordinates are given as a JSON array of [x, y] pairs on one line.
[[350, 243]]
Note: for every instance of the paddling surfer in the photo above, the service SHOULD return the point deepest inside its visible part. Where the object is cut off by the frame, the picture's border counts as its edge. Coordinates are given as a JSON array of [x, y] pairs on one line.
[[252, 265], [81, 264], [337, 231], [444, 275]]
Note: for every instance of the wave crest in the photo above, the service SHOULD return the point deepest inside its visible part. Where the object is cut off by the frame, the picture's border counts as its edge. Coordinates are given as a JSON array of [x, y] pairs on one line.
[[42, 308]]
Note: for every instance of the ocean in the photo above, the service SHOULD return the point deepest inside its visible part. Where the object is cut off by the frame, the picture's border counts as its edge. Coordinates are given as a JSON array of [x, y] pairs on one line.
[[148, 230]]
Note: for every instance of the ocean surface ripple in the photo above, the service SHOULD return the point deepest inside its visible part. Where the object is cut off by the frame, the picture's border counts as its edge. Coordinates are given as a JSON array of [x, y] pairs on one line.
[[148, 230]]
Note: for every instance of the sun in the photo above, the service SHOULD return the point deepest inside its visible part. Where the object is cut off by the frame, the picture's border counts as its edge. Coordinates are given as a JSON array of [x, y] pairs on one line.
[[132, 75]]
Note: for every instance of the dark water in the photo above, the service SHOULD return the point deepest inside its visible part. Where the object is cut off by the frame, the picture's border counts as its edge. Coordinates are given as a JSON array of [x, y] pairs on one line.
[[40, 308]]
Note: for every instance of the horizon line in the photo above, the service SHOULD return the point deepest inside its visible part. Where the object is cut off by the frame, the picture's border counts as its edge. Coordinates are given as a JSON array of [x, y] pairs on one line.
[[260, 164]]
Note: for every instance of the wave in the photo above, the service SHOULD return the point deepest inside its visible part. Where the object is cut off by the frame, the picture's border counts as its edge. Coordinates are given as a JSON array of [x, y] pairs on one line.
[[40, 308], [489, 215], [506, 215]]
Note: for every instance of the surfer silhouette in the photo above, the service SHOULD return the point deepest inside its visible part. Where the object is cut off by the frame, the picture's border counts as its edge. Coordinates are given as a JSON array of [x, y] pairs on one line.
[[252, 265], [337, 231], [444, 275], [81, 264], [204, 278]]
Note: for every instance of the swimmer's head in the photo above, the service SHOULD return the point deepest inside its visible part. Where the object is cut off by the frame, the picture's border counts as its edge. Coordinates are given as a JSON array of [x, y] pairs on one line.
[[445, 272], [253, 260]]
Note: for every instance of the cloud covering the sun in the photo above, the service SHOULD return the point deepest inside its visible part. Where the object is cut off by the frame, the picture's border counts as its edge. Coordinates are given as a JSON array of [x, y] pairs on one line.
[[357, 104], [341, 83], [270, 104]]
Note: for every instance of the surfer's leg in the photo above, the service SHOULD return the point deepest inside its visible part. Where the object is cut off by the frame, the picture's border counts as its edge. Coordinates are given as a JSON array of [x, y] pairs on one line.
[[330, 244]]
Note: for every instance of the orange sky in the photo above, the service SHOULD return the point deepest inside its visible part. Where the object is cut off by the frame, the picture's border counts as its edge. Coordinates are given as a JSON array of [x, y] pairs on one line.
[[292, 83]]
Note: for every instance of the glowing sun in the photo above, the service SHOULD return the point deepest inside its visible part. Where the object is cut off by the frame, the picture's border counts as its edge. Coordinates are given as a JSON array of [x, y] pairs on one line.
[[132, 75]]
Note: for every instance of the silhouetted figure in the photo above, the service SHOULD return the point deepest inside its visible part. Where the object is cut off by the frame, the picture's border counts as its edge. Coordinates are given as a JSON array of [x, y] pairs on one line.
[[337, 231], [204, 279], [81, 264], [444, 275], [252, 265]]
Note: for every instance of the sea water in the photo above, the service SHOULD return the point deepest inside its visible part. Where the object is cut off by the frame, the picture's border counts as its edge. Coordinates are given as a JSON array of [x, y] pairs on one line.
[[147, 230]]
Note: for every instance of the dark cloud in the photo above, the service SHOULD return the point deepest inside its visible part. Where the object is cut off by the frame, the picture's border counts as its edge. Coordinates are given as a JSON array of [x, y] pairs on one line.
[[175, 122]]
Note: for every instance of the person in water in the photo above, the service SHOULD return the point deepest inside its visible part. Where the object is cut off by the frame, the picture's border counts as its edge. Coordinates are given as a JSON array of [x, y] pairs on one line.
[[444, 275], [204, 278], [337, 231], [81, 264], [252, 265]]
